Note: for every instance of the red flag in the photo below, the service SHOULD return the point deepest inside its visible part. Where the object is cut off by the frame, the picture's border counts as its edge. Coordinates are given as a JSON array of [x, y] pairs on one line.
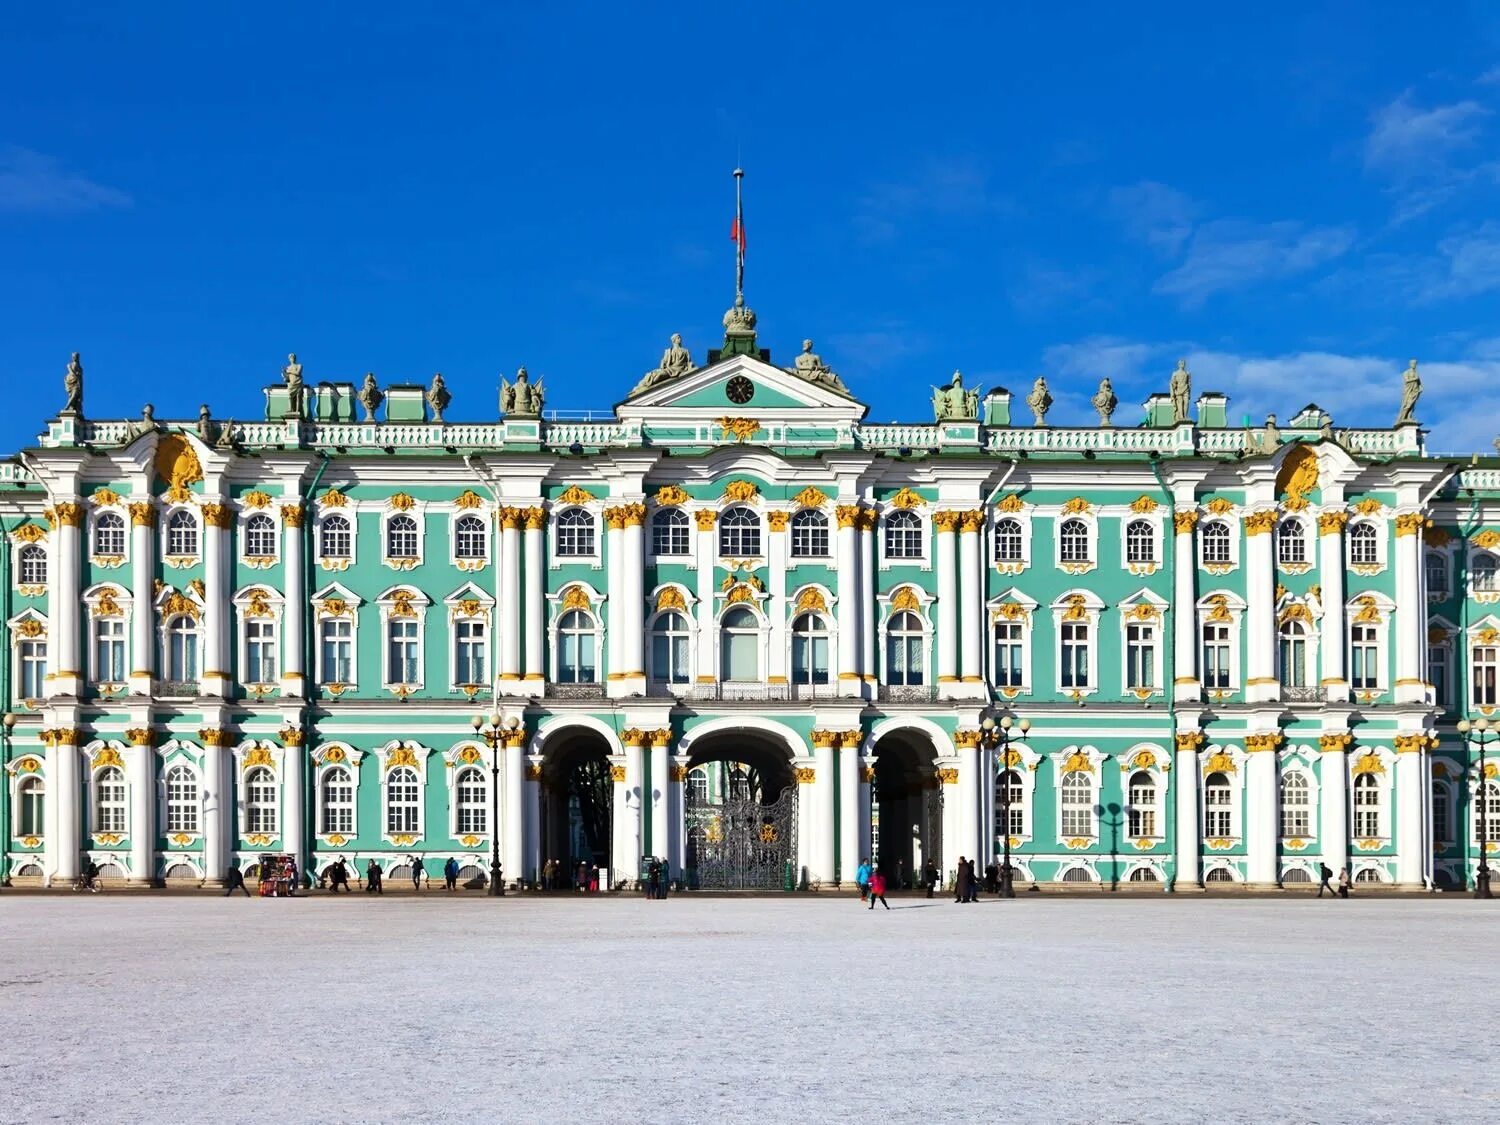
[[737, 234]]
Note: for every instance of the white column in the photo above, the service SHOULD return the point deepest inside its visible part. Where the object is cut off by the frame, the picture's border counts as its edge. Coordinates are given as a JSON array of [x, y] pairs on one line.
[[619, 847], [631, 612], [677, 836], [1410, 634], [63, 564], [534, 623], [294, 800], [1260, 614], [821, 828], [1413, 837], [1186, 687], [853, 844], [1261, 829], [296, 609], [218, 814], [867, 591], [971, 604], [953, 828], [143, 592], [1331, 636], [510, 602], [513, 843], [1333, 796], [945, 526], [660, 795], [866, 786], [968, 802], [1185, 782], [534, 857], [629, 862], [850, 595], [776, 556], [140, 777], [215, 673], [707, 647], [616, 614], [65, 796]]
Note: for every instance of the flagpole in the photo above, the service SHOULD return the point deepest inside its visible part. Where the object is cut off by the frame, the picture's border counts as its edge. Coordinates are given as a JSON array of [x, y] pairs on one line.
[[739, 242]]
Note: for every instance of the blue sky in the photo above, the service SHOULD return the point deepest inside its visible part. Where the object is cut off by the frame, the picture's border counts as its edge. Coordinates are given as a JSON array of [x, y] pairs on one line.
[[1297, 200]]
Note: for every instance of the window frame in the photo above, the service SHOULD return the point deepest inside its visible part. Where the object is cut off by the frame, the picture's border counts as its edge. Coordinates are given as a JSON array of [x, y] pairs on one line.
[[169, 518], [389, 544], [31, 807], [809, 523], [758, 632], [258, 810], [577, 520], [1304, 541], [181, 815], [1362, 814], [119, 525], [1152, 538], [462, 538], [27, 666], [909, 537], [109, 813], [1295, 825], [668, 523], [1022, 519], [411, 803], [1062, 536], [656, 630], [594, 631], [460, 804], [1355, 534], [823, 632], [96, 641], [747, 528], [1231, 559], [351, 526], [26, 552], [1136, 822], [254, 523], [921, 636]]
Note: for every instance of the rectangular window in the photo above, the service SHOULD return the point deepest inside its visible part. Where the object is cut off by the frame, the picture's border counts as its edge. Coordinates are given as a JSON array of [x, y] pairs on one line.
[[33, 669], [1438, 675], [1364, 665], [1008, 653], [1296, 820], [260, 652], [337, 644], [109, 650], [1140, 657], [1075, 655], [1366, 811], [1216, 811], [338, 804], [1143, 810], [182, 801], [1486, 660], [111, 801], [402, 651], [469, 658], [1216, 656]]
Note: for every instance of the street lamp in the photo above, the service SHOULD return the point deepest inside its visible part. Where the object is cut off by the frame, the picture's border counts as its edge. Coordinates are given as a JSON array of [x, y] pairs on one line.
[[8, 722], [1479, 733], [999, 736], [495, 731]]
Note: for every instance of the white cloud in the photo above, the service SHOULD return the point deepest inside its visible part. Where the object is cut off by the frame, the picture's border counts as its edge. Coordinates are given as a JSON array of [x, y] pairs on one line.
[[1403, 138], [32, 181], [952, 187], [1232, 253], [1154, 213]]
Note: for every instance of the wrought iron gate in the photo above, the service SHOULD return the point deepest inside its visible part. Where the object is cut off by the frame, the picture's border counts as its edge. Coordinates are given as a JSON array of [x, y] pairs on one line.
[[932, 840], [741, 844]]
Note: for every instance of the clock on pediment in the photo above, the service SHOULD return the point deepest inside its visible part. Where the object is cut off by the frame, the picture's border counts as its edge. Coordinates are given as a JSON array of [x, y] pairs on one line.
[[740, 390]]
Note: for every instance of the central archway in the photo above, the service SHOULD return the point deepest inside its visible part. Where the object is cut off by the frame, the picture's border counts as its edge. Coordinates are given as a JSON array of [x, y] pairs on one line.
[[577, 806], [740, 813], [906, 805]]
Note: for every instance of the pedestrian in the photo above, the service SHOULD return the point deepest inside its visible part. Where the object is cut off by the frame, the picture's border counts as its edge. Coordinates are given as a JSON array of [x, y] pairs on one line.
[[338, 876], [973, 883], [594, 878], [877, 889], [416, 873], [930, 877], [1343, 882], [234, 880], [862, 878], [1325, 873], [91, 876], [991, 879], [372, 879], [450, 874], [293, 880], [583, 877], [960, 880]]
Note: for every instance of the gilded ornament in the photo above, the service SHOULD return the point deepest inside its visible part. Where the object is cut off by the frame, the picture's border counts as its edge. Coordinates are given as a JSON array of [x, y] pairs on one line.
[[741, 429], [334, 755], [1077, 761], [536, 519], [1076, 506], [69, 514], [467, 499], [1077, 608], [867, 520], [661, 736], [947, 775], [824, 738], [291, 736], [907, 498], [906, 598], [810, 497], [1488, 539], [1143, 505], [670, 597], [1219, 762], [1367, 612], [741, 491], [1295, 504], [811, 601], [142, 513], [401, 604], [1332, 522], [30, 627], [966, 739], [259, 603], [333, 498], [177, 463], [1220, 505], [403, 840], [104, 496], [1413, 743], [1369, 506], [633, 736], [1410, 523], [533, 771], [401, 502], [678, 773], [1260, 743], [400, 756], [971, 521], [776, 520], [848, 515], [1435, 536], [141, 736], [615, 518], [195, 587], [105, 604], [1011, 503], [671, 496], [106, 756], [334, 607], [1143, 760], [740, 593], [179, 605], [1368, 762], [1261, 522], [256, 499], [1011, 611], [255, 756], [1144, 611], [1436, 635], [31, 532], [803, 775], [1298, 474], [576, 597], [706, 517], [617, 774], [1296, 612], [470, 607], [29, 765]]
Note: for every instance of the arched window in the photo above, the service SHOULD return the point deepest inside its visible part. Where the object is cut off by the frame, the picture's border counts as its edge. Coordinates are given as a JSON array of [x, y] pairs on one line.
[[182, 650], [1292, 654], [33, 565], [109, 798], [575, 649], [403, 801], [182, 533], [1140, 542], [903, 535], [1363, 549], [1142, 804], [1077, 804], [338, 802], [32, 797], [182, 800], [739, 654], [260, 802], [109, 534], [1077, 875], [1437, 574], [809, 534], [1364, 657], [1491, 816], [1010, 803], [1218, 810], [1296, 809], [1143, 875], [670, 639], [470, 789], [335, 539], [260, 536], [1008, 540], [469, 538], [739, 534], [575, 534], [809, 649], [697, 784], [1219, 875], [1073, 542], [401, 538], [1367, 875], [670, 532], [1291, 543], [905, 650], [1482, 573], [1295, 875], [1215, 542], [1484, 663], [1367, 819]]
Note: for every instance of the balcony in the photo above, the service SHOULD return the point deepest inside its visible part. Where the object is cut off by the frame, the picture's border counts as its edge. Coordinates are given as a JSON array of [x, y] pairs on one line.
[[906, 693], [1302, 694], [177, 689], [573, 691], [741, 693]]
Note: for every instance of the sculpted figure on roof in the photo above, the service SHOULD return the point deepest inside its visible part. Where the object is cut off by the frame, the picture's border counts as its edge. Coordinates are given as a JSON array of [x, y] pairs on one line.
[[952, 403], [675, 361], [811, 367]]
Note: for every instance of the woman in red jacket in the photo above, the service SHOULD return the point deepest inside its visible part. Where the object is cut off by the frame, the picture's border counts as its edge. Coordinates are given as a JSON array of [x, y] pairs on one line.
[[877, 889]]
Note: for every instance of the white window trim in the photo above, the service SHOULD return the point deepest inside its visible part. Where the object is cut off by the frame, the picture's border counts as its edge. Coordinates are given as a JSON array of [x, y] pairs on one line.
[[1382, 554], [763, 659], [90, 599], [164, 532], [649, 529], [924, 530], [1230, 520], [242, 529], [554, 631], [417, 514], [830, 525], [94, 803], [384, 756], [1301, 759], [169, 758], [387, 603], [1011, 596], [1026, 770], [1092, 606], [1234, 605], [1385, 788], [1158, 545], [456, 616], [163, 634], [1164, 807], [830, 631], [17, 640], [692, 640], [884, 611], [1060, 760], [751, 506], [327, 562], [1483, 597], [352, 601], [485, 516], [1091, 521], [323, 763], [37, 589], [242, 602], [1022, 517], [1236, 779], [109, 562], [1161, 637], [1310, 544], [456, 765], [242, 770], [1386, 608], [1445, 552], [1314, 638], [594, 509]]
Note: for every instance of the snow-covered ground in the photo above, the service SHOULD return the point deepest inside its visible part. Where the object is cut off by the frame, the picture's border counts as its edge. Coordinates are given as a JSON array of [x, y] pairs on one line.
[[420, 1008]]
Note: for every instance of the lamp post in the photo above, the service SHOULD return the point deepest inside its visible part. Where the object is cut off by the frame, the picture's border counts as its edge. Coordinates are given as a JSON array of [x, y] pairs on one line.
[[1480, 733], [495, 731], [7, 723], [998, 735]]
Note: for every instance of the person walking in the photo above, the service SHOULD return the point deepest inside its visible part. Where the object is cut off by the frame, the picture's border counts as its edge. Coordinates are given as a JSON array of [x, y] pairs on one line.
[[973, 882], [930, 877], [1343, 882], [372, 879], [416, 873], [594, 878], [338, 876], [293, 878], [1325, 873], [234, 880], [450, 874], [960, 881], [991, 879], [877, 889], [862, 878]]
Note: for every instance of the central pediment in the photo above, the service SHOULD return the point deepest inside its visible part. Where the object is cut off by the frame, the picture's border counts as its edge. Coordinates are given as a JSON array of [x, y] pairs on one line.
[[743, 386]]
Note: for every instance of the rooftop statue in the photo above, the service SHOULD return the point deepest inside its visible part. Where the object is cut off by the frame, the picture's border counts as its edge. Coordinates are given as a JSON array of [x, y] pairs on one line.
[[370, 396], [1105, 402], [73, 385], [1181, 389], [147, 424], [291, 375], [226, 436], [205, 423], [1411, 390], [1040, 400], [952, 403], [675, 361], [521, 399], [438, 397], [811, 367]]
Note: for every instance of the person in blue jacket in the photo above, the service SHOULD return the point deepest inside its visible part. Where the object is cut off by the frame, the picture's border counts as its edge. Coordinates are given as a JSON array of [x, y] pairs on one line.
[[862, 878]]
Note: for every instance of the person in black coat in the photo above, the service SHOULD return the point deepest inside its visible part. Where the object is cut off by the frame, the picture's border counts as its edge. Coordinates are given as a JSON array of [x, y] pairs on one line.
[[930, 877], [961, 881], [372, 879], [234, 880], [1325, 876]]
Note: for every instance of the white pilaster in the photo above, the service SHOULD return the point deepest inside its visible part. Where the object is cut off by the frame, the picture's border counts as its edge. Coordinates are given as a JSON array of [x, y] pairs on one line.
[[1261, 828], [953, 838], [660, 791], [513, 842], [850, 594], [707, 648], [1331, 636], [971, 606], [632, 610], [1333, 796], [853, 845], [676, 806], [534, 624], [866, 786], [619, 846], [821, 823], [629, 861], [509, 603], [214, 676], [142, 592], [218, 814], [294, 801], [140, 779], [1185, 782], [616, 614], [867, 589], [63, 814], [1261, 684], [63, 565], [294, 615], [1410, 633], [776, 556], [945, 528], [1413, 835], [534, 857], [968, 804], [1186, 687]]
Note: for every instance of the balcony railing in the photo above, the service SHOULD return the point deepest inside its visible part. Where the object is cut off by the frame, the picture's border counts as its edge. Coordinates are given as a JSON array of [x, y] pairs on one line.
[[177, 689], [1302, 694], [574, 691], [906, 693], [741, 693]]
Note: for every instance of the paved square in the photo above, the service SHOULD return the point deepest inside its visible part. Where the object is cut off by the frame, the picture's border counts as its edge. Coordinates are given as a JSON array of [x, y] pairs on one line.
[[421, 1008]]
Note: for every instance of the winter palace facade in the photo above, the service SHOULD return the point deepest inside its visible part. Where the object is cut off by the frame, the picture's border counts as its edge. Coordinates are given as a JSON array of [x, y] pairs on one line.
[[737, 626]]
